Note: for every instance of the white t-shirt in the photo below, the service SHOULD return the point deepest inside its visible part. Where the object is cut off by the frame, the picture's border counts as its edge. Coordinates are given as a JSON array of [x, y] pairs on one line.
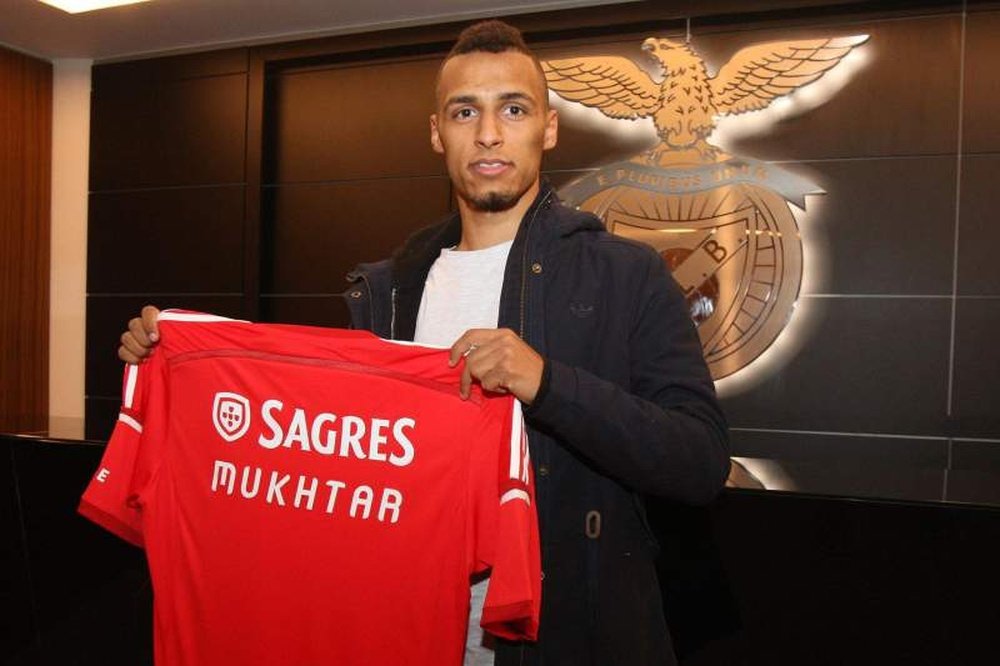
[[462, 292]]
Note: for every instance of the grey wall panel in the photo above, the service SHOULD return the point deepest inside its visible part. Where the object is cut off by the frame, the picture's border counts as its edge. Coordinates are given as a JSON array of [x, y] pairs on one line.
[[978, 231], [976, 399], [868, 365]]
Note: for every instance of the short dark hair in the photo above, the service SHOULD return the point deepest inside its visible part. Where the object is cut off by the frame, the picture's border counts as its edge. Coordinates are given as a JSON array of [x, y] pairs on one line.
[[491, 36], [494, 36]]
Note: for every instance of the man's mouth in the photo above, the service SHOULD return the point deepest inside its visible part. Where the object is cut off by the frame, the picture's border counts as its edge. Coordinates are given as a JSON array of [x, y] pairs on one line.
[[490, 167]]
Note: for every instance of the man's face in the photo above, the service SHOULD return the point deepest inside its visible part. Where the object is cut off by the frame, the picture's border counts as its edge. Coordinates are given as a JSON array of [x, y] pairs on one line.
[[492, 125]]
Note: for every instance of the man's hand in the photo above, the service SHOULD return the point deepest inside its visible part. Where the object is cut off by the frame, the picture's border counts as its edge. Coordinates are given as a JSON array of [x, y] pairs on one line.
[[141, 336], [500, 361]]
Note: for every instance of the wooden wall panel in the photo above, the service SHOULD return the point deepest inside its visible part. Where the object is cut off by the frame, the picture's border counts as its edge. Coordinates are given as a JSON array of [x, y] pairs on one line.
[[350, 122], [174, 132], [197, 234], [337, 170], [167, 205], [25, 192]]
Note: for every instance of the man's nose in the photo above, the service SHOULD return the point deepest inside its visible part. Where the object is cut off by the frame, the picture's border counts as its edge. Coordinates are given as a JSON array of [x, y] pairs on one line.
[[489, 134]]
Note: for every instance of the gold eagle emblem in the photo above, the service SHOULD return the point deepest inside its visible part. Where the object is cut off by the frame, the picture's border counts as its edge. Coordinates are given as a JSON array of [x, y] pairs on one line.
[[685, 103]]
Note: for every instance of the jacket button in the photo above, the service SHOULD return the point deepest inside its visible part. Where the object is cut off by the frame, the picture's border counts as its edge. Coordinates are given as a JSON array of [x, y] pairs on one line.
[[592, 525], [536, 268], [543, 470], [355, 294]]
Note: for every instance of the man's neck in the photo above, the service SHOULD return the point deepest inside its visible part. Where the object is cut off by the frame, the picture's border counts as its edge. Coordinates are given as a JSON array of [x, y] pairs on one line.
[[481, 229]]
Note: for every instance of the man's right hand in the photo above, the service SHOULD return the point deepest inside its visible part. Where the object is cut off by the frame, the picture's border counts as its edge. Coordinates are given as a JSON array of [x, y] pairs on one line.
[[140, 338]]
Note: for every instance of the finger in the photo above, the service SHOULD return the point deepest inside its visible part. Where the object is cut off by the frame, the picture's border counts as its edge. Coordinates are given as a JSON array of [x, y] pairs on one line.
[[127, 356], [486, 366], [149, 315], [137, 332], [463, 346], [506, 368], [465, 386], [131, 351], [458, 351], [494, 380]]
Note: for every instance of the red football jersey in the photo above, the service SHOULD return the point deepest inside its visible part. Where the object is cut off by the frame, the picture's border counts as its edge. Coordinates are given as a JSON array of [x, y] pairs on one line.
[[312, 496]]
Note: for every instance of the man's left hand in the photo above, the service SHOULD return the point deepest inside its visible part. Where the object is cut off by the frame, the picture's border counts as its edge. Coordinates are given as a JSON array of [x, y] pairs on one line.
[[500, 361]]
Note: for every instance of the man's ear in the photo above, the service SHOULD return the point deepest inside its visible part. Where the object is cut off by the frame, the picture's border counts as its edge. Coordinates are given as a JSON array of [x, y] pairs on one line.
[[551, 130], [436, 135]]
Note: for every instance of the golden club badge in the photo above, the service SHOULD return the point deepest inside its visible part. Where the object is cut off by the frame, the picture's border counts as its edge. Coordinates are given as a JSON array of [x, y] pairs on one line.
[[722, 223]]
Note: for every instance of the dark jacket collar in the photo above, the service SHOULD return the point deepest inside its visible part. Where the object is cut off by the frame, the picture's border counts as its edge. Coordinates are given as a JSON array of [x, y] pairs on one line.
[[410, 264], [413, 260]]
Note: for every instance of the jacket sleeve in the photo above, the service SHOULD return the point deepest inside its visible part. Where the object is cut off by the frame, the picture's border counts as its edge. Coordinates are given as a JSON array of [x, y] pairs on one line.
[[665, 435]]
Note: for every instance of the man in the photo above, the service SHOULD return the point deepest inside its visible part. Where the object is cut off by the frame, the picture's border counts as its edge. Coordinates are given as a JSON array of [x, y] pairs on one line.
[[586, 329]]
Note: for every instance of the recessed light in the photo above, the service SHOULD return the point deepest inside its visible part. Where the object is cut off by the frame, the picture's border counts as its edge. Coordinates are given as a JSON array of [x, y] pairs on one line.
[[80, 6]]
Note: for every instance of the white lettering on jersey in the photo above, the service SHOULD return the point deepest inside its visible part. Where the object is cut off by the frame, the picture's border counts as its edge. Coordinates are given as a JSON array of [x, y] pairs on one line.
[[377, 440], [297, 431], [246, 492], [274, 441], [274, 488], [403, 441], [309, 494], [364, 439], [103, 474], [352, 429], [392, 499], [309, 491], [223, 475], [362, 498], [321, 444], [335, 486]]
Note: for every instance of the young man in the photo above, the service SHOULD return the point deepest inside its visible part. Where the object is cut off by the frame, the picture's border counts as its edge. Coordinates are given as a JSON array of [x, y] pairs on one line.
[[586, 329]]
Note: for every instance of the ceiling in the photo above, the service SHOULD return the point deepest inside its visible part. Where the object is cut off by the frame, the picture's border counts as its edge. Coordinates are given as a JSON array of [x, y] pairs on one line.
[[163, 26]]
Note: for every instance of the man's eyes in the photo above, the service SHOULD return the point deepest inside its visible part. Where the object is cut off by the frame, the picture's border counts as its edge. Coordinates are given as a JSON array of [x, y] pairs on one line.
[[510, 110]]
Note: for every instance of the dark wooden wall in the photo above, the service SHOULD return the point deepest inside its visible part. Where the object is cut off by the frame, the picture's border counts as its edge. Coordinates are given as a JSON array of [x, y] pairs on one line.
[[167, 220], [249, 181], [25, 194]]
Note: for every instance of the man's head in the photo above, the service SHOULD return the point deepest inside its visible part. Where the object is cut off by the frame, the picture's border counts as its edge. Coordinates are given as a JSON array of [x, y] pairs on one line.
[[492, 119], [493, 36]]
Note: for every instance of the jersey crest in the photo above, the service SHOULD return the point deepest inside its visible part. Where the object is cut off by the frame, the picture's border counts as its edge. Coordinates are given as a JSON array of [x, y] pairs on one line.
[[231, 415]]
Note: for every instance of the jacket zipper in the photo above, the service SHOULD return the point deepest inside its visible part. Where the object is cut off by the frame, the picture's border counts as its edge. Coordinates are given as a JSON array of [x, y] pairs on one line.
[[371, 310], [524, 288], [392, 317], [524, 260]]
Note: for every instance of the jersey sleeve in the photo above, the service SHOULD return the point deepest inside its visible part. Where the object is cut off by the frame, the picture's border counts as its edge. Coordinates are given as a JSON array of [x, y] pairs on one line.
[[111, 497], [509, 542]]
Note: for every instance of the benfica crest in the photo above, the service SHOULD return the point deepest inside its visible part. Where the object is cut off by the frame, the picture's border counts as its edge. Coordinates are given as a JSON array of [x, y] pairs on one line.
[[231, 415], [722, 223]]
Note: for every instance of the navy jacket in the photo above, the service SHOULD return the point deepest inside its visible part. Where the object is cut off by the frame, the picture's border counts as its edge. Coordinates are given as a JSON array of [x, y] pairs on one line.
[[626, 408]]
